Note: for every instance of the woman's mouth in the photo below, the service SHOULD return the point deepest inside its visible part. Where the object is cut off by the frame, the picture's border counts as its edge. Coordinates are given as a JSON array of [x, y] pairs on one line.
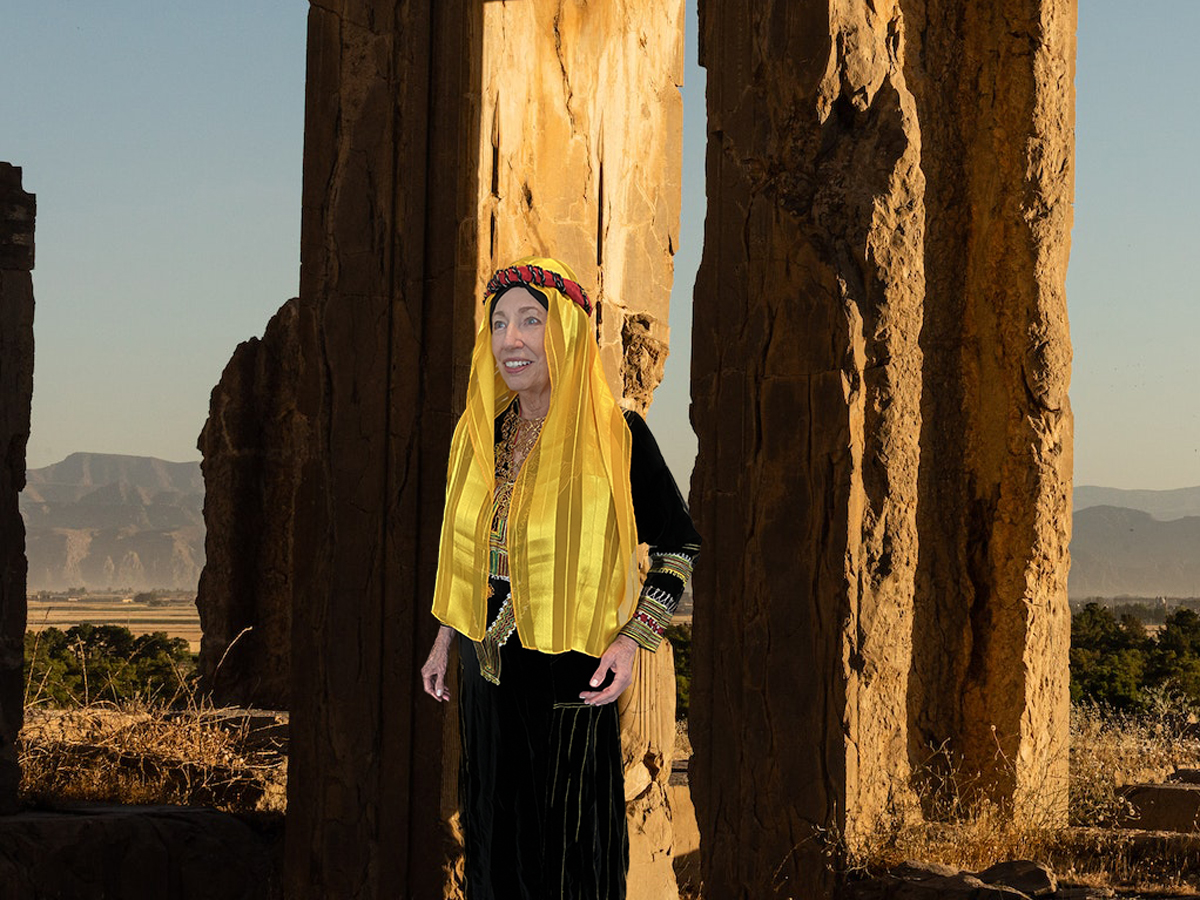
[[513, 364]]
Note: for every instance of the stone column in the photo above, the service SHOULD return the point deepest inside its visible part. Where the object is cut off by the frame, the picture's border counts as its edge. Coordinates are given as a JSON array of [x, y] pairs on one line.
[[17, 213], [579, 159], [254, 445], [647, 711], [417, 183], [386, 320], [995, 96], [837, 427]]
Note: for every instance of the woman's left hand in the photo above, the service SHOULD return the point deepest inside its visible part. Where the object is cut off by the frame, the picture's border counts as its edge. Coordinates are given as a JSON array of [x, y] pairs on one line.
[[619, 659]]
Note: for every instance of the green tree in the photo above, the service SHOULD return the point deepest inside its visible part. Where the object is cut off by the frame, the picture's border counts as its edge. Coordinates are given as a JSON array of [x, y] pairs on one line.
[[1108, 658], [1175, 660], [90, 663]]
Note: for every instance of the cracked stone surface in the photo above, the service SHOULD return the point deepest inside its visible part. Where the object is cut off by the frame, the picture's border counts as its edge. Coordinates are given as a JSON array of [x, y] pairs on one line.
[[17, 213], [441, 141], [253, 446], [879, 375]]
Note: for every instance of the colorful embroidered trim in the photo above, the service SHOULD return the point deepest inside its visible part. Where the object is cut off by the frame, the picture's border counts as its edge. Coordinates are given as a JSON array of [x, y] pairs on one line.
[[650, 619], [488, 650], [537, 276], [677, 564], [498, 563]]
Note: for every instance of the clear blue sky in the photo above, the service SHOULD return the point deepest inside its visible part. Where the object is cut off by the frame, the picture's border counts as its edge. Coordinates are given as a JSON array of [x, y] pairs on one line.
[[164, 143]]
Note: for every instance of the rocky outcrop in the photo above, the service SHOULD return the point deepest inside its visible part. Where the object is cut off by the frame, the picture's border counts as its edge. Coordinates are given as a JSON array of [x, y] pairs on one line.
[[17, 213], [880, 362], [104, 520], [1012, 880], [254, 445]]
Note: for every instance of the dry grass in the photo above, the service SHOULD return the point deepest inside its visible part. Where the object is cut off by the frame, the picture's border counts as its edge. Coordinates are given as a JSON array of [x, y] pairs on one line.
[[145, 755], [178, 750], [1108, 751]]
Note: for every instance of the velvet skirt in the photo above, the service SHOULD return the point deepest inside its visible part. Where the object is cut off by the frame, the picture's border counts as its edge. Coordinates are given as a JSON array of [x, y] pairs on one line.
[[541, 786]]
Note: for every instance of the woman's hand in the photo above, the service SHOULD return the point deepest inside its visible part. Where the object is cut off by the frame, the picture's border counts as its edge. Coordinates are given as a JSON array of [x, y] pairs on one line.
[[433, 673], [619, 659]]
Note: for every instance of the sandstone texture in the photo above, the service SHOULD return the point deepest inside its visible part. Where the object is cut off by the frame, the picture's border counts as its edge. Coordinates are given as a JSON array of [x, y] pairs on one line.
[[441, 140], [254, 444], [579, 156], [879, 375], [324, 453], [647, 710], [17, 212], [139, 853], [996, 101]]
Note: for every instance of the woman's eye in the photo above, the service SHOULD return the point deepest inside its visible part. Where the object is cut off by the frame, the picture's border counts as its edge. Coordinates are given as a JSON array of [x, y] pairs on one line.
[[496, 326], [533, 320]]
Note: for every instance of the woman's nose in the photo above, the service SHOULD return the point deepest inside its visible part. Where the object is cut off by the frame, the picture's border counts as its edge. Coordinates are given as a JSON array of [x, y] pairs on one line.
[[512, 337]]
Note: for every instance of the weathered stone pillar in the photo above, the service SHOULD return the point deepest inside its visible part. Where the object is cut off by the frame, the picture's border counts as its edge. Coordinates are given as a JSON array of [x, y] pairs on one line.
[[253, 445], [417, 184], [580, 157], [995, 97], [817, 397], [17, 212], [385, 324]]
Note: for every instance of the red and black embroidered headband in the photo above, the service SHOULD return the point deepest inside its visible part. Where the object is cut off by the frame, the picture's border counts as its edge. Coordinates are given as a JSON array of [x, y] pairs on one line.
[[537, 276]]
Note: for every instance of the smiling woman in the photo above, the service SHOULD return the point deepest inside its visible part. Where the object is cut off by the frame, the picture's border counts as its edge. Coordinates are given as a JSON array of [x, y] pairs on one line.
[[551, 488], [518, 344]]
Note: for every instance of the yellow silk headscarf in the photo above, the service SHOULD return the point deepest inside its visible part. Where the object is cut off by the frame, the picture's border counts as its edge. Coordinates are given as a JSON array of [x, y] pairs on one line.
[[571, 530]]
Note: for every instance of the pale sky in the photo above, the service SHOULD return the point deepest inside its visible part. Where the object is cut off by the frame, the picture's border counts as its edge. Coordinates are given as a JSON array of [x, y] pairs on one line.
[[164, 140]]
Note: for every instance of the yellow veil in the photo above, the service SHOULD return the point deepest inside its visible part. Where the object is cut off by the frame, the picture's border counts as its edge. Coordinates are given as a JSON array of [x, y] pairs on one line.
[[571, 530]]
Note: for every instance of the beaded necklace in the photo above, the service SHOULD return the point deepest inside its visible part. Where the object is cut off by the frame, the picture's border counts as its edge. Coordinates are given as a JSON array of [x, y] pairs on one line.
[[517, 437]]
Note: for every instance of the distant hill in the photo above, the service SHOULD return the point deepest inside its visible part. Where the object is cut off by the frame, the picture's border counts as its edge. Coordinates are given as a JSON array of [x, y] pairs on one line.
[[104, 520], [1162, 505], [1117, 551]]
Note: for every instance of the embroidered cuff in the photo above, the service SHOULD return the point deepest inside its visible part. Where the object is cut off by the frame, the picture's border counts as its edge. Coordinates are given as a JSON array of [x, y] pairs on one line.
[[650, 619], [676, 564]]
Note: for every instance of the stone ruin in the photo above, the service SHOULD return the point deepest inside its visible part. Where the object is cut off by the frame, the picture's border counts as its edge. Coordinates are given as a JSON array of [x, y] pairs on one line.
[[879, 378], [18, 210]]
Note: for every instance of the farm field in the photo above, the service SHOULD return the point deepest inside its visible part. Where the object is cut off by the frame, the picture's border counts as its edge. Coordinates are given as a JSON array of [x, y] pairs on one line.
[[177, 619]]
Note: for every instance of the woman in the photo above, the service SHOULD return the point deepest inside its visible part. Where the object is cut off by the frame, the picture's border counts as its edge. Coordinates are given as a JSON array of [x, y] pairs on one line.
[[550, 488]]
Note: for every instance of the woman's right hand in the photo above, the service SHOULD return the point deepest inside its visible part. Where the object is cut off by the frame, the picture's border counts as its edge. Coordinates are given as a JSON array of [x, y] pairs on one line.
[[433, 673]]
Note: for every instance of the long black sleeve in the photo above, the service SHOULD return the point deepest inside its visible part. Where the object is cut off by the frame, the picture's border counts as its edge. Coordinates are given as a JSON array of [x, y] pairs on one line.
[[663, 522]]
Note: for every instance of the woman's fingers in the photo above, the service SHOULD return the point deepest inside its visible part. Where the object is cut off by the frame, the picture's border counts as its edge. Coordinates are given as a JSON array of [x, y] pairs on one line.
[[433, 674], [619, 659]]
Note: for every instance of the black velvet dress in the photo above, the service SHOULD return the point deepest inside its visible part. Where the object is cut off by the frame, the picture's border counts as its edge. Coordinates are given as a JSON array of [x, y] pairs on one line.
[[541, 788]]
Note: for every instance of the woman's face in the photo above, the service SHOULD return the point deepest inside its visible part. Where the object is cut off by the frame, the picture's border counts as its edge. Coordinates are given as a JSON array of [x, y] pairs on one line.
[[519, 343]]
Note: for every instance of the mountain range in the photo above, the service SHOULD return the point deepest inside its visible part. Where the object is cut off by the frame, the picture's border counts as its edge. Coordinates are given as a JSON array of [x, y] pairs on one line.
[[103, 520], [110, 521]]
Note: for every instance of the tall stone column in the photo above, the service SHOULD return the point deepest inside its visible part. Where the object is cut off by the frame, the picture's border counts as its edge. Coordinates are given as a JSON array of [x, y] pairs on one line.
[[17, 213], [806, 391], [995, 97], [385, 323], [850, 176], [442, 139]]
